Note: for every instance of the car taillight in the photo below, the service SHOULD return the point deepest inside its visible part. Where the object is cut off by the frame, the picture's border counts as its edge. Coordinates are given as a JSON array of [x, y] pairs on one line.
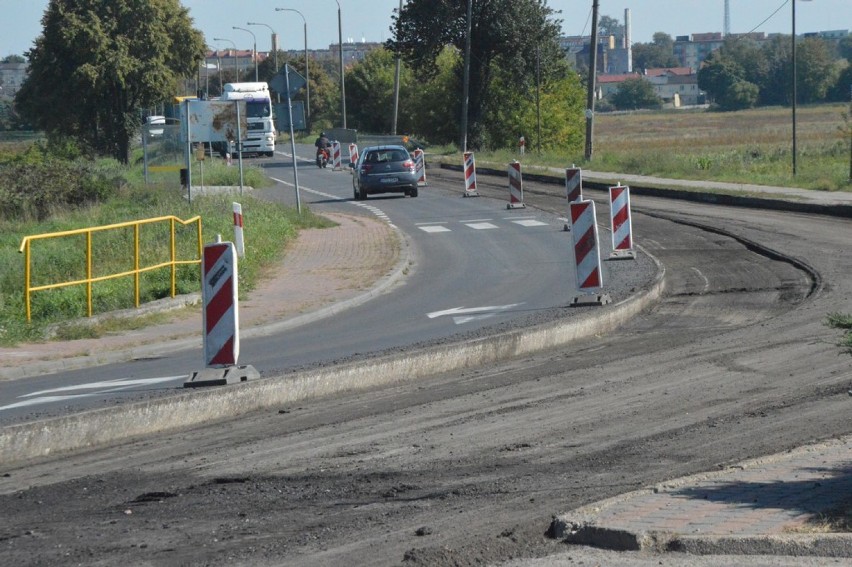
[[408, 164], [365, 169]]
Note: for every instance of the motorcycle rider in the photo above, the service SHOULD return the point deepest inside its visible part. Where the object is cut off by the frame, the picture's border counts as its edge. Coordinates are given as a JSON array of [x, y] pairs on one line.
[[322, 142], [323, 149]]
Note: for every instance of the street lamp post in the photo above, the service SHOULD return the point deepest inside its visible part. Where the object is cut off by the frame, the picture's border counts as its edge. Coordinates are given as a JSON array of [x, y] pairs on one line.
[[254, 49], [236, 68], [307, 69], [274, 42], [274, 45]]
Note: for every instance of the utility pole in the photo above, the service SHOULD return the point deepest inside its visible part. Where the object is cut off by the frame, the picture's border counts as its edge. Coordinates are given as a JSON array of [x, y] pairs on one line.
[[590, 98], [396, 83], [466, 80]]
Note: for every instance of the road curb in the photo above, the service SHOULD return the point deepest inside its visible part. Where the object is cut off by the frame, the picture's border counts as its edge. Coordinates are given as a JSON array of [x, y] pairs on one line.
[[28, 441]]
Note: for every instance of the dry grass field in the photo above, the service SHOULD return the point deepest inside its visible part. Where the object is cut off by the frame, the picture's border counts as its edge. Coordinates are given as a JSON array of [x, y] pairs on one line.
[[752, 146]]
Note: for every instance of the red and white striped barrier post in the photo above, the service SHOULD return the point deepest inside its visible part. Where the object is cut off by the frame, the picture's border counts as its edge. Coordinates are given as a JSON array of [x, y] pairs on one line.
[[587, 258], [420, 166], [220, 319], [621, 224], [336, 159], [221, 310], [516, 186], [239, 240], [574, 184], [470, 175], [353, 153]]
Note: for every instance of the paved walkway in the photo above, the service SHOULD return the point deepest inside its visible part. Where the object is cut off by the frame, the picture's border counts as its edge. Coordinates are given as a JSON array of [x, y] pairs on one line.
[[776, 505]]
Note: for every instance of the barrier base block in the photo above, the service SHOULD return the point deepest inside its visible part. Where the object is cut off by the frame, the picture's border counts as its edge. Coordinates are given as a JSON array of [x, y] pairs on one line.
[[471, 194], [222, 376], [516, 206], [592, 299], [421, 184], [623, 255]]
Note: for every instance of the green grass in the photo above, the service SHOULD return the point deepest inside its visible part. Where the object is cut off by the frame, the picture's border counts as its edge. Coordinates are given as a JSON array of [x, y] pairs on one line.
[[268, 228], [842, 321]]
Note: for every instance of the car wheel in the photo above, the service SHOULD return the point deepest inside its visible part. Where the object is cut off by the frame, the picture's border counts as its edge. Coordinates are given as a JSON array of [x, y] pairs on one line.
[[413, 191], [363, 194]]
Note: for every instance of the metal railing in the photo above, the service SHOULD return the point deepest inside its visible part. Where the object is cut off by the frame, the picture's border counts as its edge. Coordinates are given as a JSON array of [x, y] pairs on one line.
[[137, 270]]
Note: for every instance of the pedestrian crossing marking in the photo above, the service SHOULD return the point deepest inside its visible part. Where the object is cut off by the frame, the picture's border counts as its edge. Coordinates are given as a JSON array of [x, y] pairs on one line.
[[529, 222], [434, 228]]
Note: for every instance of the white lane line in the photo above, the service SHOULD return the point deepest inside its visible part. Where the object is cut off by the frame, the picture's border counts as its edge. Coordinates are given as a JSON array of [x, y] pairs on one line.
[[474, 220], [428, 223]]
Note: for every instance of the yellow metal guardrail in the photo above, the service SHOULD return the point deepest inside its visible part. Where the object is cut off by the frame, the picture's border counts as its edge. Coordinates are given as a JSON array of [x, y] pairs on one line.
[[135, 272]]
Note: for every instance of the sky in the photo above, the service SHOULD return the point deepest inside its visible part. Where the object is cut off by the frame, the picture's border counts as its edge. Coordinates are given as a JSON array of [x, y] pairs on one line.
[[369, 20]]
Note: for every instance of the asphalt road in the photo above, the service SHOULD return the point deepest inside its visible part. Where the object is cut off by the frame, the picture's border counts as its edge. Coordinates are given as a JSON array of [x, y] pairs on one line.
[[475, 266], [467, 468]]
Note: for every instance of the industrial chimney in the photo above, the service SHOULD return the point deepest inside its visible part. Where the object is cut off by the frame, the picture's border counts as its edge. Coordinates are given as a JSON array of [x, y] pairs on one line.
[[628, 43]]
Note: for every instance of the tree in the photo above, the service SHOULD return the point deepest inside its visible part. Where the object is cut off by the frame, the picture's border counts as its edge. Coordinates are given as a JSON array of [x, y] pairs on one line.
[[370, 90], [13, 59], [99, 63], [815, 72], [724, 80], [659, 53], [844, 48], [609, 26], [505, 33], [636, 93]]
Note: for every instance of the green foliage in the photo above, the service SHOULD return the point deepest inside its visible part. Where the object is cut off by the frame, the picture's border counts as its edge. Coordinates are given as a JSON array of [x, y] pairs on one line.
[[37, 182], [434, 109], [511, 35], [842, 321], [512, 113], [370, 90], [98, 63], [636, 93], [741, 73], [658, 53]]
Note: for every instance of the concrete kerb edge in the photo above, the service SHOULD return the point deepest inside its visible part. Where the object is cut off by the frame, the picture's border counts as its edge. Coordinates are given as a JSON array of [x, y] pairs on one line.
[[580, 526], [24, 442], [710, 196]]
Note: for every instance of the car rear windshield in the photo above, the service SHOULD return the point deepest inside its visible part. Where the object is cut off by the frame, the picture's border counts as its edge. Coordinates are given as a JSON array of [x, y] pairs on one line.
[[383, 156]]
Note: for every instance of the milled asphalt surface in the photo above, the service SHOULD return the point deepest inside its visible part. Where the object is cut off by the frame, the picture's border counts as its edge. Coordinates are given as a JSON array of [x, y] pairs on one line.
[[767, 511]]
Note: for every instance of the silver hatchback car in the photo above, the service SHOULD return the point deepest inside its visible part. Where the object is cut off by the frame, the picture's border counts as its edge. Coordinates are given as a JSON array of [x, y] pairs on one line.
[[384, 169]]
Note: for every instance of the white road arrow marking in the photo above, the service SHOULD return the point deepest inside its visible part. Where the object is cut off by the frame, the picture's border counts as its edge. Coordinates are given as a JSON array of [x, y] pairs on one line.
[[104, 387], [490, 310]]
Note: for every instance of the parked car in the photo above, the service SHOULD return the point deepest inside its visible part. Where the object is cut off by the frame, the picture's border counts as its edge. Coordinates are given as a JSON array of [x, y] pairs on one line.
[[384, 169]]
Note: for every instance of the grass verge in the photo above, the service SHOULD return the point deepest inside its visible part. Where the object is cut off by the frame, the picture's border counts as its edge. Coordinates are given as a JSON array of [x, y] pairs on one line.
[[61, 313]]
